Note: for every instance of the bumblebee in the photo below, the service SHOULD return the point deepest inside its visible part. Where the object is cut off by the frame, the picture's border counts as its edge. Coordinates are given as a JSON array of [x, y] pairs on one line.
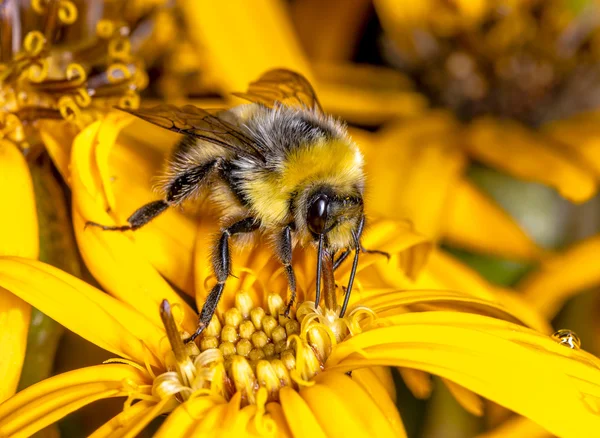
[[278, 166]]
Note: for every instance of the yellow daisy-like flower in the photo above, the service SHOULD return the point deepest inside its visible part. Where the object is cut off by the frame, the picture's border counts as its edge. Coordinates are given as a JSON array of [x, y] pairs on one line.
[[54, 66], [259, 373], [255, 371], [500, 76]]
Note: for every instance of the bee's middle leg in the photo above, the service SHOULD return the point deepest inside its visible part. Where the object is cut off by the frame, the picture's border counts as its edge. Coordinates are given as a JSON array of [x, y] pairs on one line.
[[284, 252], [222, 269]]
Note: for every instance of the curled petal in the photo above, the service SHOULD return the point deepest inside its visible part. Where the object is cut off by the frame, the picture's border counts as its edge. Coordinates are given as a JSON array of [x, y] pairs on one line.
[[112, 257]]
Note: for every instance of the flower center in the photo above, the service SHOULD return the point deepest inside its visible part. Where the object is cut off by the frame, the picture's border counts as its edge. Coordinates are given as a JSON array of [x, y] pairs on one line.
[[252, 350]]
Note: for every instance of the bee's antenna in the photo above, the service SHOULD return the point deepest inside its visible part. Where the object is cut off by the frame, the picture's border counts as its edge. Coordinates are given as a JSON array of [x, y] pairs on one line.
[[352, 274], [318, 285]]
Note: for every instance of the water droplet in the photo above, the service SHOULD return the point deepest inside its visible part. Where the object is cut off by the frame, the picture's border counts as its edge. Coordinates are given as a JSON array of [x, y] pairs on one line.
[[568, 338]]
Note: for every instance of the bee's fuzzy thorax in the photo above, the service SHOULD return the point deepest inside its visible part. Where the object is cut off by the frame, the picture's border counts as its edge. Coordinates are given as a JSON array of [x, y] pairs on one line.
[[306, 151]]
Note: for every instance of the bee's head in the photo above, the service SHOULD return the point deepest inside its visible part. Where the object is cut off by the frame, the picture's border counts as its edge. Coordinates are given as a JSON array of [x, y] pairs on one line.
[[333, 214]]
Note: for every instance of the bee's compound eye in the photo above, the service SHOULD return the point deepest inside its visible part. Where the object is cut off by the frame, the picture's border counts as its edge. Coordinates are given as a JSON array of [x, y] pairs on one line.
[[317, 214]]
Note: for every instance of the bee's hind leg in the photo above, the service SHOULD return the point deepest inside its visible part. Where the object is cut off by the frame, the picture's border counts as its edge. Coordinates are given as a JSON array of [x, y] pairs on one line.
[[284, 252], [222, 269]]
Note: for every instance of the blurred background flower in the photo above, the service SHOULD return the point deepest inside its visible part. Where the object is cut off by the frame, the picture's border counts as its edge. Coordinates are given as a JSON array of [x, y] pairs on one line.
[[481, 114]]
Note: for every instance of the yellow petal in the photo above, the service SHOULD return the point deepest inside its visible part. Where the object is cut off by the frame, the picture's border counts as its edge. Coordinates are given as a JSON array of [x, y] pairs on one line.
[[420, 160], [418, 382], [467, 399], [257, 36], [515, 367], [50, 400], [276, 412], [58, 136], [122, 420], [299, 416], [210, 421], [380, 397], [509, 146], [82, 308], [580, 135], [446, 283], [342, 408], [384, 376], [18, 224], [19, 237], [366, 95], [471, 215], [136, 426], [561, 276], [182, 420], [517, 427], [396, 302], [328, 32], [112, 257], [442, 272], [14, 325], [409, 250], [135, 163]]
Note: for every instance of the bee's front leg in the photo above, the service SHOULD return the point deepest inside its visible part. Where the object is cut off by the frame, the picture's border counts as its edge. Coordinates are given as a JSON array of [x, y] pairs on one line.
[[284, 252], [222, 269]]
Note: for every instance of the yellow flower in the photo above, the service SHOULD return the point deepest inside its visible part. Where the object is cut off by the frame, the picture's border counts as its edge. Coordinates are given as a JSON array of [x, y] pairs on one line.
[[506, 77], [294, 381], [63, 69], [109, 168]]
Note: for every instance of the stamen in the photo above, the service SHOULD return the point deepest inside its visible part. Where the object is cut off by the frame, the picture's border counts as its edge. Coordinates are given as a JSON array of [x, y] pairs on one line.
[[243, 378], [251, 351], [180, 352]]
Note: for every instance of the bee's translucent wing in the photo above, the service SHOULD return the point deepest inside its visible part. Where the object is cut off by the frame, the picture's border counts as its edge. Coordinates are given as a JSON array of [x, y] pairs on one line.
[[210, 125], [284, 86]]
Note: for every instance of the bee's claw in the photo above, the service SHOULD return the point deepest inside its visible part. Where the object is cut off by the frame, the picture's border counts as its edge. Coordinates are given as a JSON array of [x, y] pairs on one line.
[[198, 332]]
